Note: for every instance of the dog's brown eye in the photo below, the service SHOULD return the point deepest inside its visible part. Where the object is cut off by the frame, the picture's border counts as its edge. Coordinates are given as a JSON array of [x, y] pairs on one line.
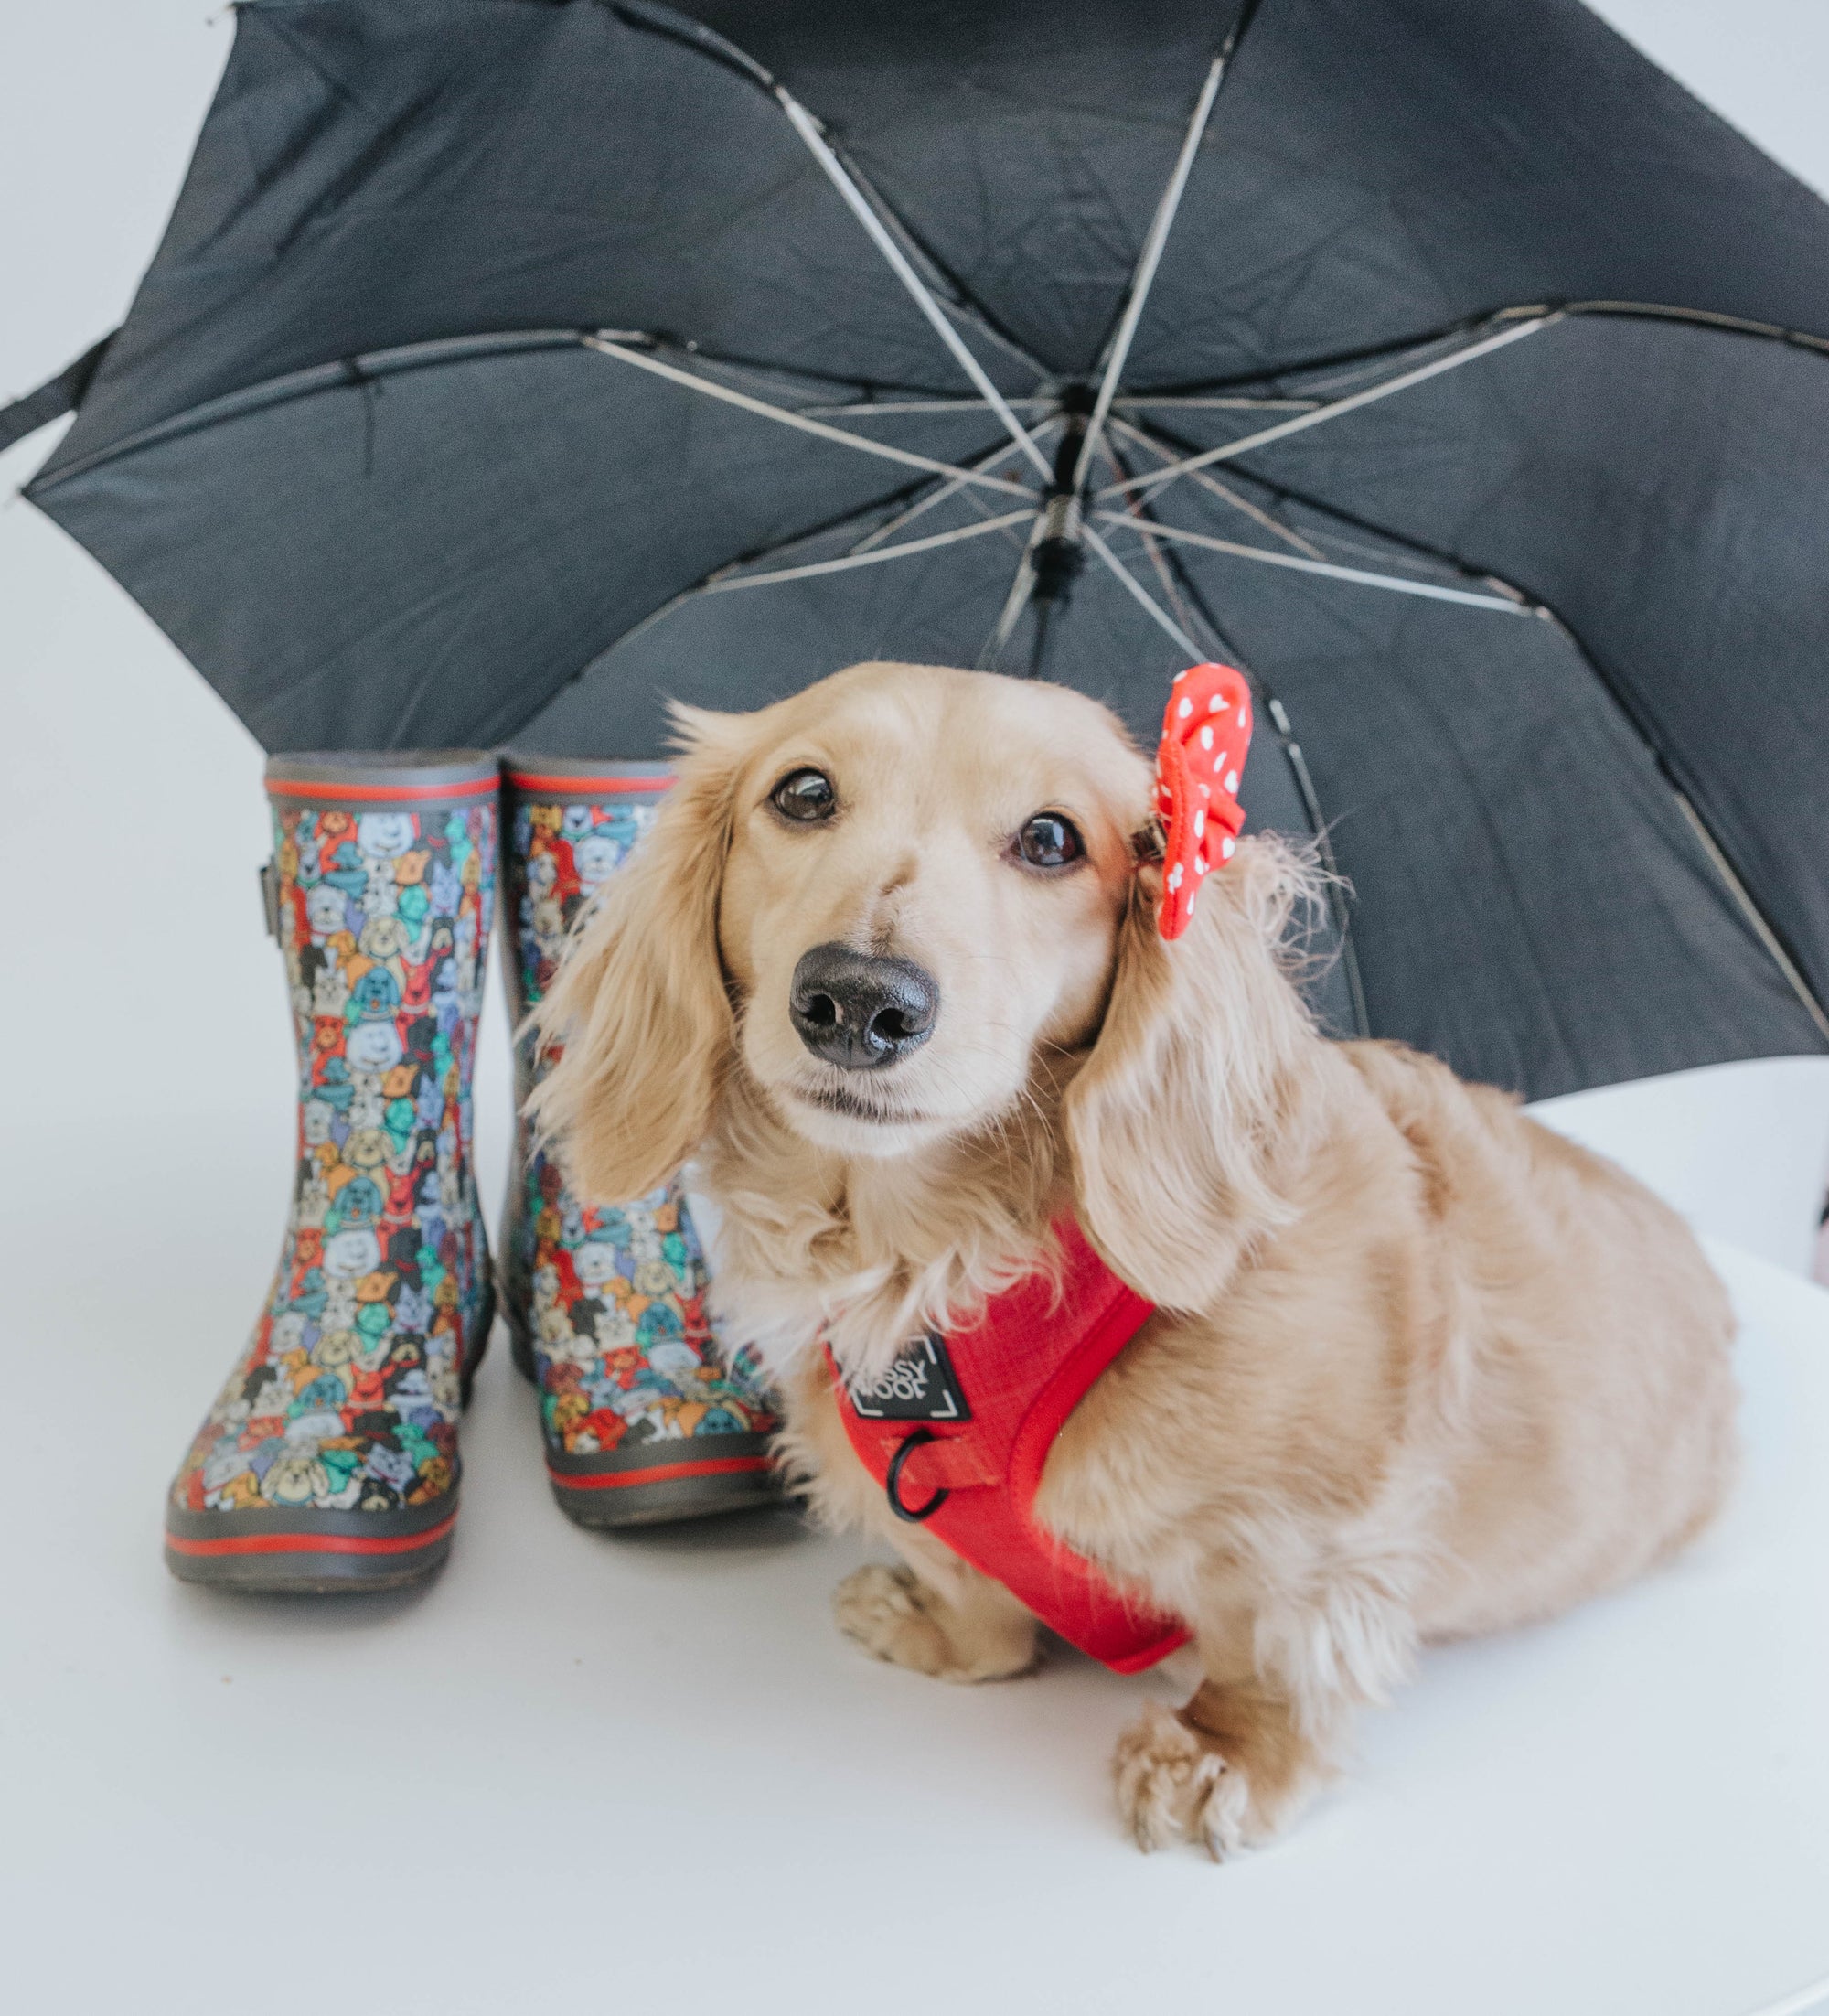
[[1048, 840], [804, 795]]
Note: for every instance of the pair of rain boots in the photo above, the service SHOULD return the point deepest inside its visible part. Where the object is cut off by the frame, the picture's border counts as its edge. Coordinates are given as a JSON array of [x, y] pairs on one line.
[[329, 1461]]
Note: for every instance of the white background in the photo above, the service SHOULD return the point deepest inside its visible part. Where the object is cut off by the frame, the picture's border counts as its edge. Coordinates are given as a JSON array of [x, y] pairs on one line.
[[610, 1771]]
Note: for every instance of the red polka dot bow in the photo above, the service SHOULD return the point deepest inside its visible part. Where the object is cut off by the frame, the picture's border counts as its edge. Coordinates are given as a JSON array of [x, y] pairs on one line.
[[1206, 731]]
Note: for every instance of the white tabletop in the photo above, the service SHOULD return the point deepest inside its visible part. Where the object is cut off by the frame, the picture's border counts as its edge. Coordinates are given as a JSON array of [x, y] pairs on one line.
[[584, 1772]]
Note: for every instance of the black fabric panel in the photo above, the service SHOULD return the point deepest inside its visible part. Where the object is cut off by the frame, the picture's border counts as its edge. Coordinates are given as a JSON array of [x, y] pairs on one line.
[[373, 176], [1377, 170], [1025, 144], [423, 559], [1663, 487], [1529, 901]]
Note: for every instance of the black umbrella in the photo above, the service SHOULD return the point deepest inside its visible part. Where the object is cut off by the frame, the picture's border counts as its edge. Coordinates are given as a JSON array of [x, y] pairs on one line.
[[509, 365]]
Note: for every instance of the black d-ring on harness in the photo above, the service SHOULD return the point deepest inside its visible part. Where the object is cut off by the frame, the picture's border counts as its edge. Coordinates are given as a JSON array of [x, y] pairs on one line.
[[891, 1483]]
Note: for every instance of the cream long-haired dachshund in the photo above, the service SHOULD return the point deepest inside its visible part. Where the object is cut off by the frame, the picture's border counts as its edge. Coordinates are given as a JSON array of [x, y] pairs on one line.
[[887, 967]]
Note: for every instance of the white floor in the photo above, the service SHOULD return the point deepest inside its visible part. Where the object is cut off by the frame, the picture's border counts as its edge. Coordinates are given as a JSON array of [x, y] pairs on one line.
[[601, 1773]]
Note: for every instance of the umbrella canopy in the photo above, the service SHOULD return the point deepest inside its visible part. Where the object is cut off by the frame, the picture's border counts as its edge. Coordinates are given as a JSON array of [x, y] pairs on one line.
[[511, 365]]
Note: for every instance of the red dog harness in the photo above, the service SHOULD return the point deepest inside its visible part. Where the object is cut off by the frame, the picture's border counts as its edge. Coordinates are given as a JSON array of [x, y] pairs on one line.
[[957, 1430]]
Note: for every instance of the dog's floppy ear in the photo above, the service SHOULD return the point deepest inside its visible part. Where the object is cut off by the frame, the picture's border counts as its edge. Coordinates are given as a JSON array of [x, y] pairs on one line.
[[1191, 1083], [638, 1018]]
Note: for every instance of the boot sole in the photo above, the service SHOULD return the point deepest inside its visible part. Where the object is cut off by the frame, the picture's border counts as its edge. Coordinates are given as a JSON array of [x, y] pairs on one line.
[[315, 1558], [658, 1494]]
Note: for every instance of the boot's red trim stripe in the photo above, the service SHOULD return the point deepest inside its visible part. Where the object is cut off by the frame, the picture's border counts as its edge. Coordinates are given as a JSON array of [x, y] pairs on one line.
[[381, 794], [565, 786], [311, 1543], [618, 1480]]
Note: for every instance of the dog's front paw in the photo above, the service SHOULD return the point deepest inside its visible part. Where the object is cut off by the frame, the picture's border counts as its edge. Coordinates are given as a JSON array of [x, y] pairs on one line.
[[894, 1615], [1172, 1787]]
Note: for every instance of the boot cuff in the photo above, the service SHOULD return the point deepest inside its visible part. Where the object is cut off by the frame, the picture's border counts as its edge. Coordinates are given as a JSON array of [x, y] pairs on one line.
[[382, 776], [582, 779]]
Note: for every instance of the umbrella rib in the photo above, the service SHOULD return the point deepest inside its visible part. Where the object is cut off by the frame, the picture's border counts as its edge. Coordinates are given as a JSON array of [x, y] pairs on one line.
[[782, 547], [1145, 485], [808, 127], [1755, 917], [864, 408], [1718, 859], [1139, 520], [922, 505], [1022, 586], [1138, 593], [716, 582], [1420, 553], [906, 456], [1150, 259], [1362, 576], [716, 586], [958, 299], [1389, 354], [1165, 576], [1214, 487], [1217, 402]]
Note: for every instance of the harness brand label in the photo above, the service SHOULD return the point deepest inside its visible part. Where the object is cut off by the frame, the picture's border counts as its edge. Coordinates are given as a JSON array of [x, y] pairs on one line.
[[921, 1386]]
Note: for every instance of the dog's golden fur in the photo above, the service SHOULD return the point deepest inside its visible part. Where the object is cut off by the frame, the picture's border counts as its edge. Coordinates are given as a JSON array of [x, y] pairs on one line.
[[1420, 1367]]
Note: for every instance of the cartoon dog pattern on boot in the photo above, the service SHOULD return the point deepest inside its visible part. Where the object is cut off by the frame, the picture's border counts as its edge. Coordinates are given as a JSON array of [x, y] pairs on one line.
[[614, 1298], [347, 1396]]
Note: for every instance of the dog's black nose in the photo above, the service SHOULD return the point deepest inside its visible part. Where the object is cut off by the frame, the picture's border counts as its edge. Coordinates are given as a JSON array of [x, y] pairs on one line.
[[860, 1013]]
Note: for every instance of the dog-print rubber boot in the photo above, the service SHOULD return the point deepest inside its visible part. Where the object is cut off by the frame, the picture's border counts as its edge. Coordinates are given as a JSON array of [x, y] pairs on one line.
[[644, 1418], [329, 1460]]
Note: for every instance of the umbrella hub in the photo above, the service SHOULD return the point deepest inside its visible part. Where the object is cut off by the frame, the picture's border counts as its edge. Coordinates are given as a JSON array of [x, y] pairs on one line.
[[1060, 549]]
